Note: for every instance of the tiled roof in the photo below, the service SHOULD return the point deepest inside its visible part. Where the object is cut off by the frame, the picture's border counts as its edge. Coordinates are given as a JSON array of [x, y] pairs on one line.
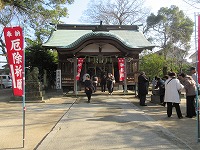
[[70, 38]]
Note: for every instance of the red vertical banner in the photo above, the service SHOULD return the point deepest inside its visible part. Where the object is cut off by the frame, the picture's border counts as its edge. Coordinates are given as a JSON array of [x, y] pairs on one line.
[[15, 53], [121, 65], [79, 67], [198, 49]]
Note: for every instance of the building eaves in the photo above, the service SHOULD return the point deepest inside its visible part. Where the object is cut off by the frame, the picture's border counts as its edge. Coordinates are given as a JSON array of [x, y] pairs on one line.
[[70, 38]]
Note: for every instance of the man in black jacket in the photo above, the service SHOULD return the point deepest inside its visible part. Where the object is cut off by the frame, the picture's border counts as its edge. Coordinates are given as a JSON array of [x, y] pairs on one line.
[[143, 84], [88, 87]]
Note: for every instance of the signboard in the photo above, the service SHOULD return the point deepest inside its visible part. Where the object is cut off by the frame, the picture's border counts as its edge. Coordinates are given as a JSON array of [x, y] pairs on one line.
[[121, 65], [58, 79], [79, 67], [15, 52]]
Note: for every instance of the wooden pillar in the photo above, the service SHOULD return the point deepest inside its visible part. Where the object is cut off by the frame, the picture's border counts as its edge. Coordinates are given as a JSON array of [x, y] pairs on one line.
[[85, 66], [113, 71]]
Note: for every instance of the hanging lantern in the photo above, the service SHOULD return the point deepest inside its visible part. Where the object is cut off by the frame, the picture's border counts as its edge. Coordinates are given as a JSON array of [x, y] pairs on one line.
[[97, 59], [110, 59], [94, 60], [101, 59], [106, 60]]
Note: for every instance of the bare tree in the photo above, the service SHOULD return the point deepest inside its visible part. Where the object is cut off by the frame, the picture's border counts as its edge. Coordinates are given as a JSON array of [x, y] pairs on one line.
[[193, 3], [118, 12]]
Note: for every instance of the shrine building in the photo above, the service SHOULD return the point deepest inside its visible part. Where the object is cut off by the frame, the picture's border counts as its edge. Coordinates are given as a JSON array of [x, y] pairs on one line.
[[99, 46]]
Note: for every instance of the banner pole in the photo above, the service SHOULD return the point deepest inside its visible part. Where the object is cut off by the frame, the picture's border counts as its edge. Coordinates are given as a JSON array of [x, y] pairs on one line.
[[16, 59], [197, 70], [23, 97]]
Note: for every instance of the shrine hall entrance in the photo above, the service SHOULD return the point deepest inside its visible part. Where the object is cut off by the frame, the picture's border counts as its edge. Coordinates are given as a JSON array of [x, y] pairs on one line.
[[99, 69]]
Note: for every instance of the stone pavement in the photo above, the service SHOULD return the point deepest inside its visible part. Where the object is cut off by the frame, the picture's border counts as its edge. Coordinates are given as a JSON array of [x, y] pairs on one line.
[[184, 129], [111, 122]]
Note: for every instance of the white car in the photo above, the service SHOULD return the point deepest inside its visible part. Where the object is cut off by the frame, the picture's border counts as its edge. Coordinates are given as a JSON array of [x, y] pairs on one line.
[[5, 81]]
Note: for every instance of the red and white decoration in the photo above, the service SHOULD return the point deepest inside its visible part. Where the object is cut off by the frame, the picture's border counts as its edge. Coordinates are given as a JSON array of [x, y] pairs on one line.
[[15, 53], [198, 49], [79, 67], [121, 65]]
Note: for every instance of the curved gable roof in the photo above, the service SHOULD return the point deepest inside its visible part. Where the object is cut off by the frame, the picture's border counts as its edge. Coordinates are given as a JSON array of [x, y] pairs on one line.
[[71, 38]]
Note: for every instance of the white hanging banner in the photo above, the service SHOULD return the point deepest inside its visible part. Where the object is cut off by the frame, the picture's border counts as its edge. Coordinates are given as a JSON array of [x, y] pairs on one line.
[[58, 79]]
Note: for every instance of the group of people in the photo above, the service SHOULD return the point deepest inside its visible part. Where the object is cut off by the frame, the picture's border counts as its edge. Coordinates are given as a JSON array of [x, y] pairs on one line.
[[91, 84], [170, 87]]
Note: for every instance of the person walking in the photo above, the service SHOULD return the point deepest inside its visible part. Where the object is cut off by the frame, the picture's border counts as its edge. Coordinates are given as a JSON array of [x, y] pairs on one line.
[[190, 89], [88, 87], [143, 84], [103, 83], [110, 83], [172, 94]]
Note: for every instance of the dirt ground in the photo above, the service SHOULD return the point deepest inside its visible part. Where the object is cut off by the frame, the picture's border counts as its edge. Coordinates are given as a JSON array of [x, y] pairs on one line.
[[40, 118]]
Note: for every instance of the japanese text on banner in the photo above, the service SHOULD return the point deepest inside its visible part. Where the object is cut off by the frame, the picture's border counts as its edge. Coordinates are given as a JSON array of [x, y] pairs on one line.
[[79, 68], [198, 50], [121, 66], [14, 45]]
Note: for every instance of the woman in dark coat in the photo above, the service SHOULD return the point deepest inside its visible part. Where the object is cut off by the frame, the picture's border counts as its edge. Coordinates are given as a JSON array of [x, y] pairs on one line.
[[161, 85], [103, 83], [143, 84], [88, 87]]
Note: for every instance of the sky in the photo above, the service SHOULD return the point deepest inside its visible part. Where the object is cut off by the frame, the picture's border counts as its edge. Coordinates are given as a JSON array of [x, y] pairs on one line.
[[76, 9]]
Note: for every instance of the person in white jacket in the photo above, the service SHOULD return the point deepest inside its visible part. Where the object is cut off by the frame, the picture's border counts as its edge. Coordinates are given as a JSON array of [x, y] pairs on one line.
[[172, 94]]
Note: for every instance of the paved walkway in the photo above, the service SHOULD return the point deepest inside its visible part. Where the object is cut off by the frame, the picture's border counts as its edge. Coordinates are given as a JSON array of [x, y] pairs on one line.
[[109, 122]]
